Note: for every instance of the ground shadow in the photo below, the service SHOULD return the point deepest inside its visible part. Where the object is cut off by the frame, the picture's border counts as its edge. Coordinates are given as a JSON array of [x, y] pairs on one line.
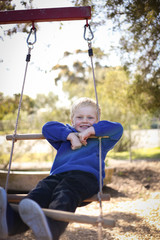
[[146, 177], [113, 192], [129, 222], [125, 223]]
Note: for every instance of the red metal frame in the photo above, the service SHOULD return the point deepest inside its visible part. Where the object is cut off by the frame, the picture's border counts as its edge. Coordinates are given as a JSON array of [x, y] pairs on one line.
[[45, 15]]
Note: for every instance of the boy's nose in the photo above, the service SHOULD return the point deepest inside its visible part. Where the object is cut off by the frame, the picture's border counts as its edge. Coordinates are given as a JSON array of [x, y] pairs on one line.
[[85, 119]]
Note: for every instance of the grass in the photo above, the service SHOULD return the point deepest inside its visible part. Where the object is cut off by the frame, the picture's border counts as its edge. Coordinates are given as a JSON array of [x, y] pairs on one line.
[[140, 154], [27, 157]]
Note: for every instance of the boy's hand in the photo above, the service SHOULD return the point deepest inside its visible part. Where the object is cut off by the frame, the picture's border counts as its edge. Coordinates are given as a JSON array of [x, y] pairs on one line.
[[83, 136], [75, 141]]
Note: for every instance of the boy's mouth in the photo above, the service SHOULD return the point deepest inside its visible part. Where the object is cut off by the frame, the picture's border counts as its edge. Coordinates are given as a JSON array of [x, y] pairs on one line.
[[84, 127]]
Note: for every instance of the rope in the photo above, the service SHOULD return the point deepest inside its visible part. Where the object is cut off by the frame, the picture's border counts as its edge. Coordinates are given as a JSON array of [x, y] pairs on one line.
[[90, 52], [100, 161], [16, 126], [20, 102]]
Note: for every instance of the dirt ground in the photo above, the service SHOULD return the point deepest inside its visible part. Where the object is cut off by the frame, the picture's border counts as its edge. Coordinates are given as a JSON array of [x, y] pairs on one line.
[[134, 205]]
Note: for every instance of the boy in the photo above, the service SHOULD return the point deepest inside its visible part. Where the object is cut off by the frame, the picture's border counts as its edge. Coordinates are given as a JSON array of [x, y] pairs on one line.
[[74, 175]]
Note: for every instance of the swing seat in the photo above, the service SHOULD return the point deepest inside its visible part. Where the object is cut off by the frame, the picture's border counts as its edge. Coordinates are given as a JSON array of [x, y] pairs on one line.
[[16, 198]]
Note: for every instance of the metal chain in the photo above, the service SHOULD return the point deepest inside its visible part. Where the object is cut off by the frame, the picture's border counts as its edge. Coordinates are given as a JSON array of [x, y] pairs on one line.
[[90, 52], [30, 47]]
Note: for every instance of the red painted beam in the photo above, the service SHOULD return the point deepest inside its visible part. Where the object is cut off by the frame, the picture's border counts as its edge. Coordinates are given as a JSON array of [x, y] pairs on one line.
[[45, 15]]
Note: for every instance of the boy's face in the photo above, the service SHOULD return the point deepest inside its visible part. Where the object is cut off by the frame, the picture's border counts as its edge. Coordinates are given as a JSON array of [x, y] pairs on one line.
[[84, 117]]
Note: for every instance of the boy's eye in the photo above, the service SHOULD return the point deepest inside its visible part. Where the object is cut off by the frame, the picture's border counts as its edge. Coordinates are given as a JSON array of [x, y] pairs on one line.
[[90, 117]]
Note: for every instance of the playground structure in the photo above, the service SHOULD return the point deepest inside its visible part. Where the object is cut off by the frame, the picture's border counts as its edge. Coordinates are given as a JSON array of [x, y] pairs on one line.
[[46, 15]]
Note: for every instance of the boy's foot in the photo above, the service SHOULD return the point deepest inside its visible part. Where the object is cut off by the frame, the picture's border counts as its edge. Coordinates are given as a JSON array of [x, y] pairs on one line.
[[32, 214], [3, 210]]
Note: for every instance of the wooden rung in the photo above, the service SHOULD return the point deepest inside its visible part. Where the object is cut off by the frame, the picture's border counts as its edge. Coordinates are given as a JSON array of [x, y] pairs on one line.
[[16, 198], [33, 136], [73, 217]]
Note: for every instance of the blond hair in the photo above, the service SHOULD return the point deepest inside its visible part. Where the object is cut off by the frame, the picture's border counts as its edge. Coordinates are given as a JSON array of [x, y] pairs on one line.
[[83, 102]]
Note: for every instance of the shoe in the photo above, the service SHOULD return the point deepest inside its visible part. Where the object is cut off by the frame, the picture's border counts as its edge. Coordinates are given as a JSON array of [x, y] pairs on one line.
[[32, 214], [3, 211]]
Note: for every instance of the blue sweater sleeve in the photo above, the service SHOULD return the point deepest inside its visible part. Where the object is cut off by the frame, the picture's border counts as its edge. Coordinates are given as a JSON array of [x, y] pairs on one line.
[[113, 130], [55, 133]]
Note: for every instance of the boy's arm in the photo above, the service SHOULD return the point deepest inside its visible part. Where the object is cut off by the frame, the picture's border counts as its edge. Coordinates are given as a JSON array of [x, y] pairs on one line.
[[75, 141], [113, 130], [83, 136], [56, 133]]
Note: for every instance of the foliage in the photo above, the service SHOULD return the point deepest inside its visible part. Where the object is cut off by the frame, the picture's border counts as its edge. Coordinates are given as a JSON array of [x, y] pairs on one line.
[[113, 86], [145, 94], [10, 5], [141, 22], [116, 93], [10, 105], [6, 5], [34, 112], [122, 96], [138, 23]]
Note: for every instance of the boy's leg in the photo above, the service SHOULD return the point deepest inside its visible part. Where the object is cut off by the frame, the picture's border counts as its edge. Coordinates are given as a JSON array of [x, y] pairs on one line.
[[30, 207], [33, 216], [42, 193], [3, 212], [10, 221], [74, 187], [61, 192]]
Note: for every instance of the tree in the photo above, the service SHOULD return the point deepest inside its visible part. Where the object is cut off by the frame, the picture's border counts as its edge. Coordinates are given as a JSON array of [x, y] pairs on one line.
[[112, 87], [6, 5], [7, 105], [10, 5], [34, 112], [138, 23]]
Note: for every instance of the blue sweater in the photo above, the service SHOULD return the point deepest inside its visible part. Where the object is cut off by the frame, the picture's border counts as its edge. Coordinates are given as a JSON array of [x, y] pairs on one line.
[[85, 158]]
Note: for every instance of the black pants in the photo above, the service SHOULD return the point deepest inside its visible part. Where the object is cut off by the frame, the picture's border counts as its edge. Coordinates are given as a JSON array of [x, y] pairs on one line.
[[65, 191]]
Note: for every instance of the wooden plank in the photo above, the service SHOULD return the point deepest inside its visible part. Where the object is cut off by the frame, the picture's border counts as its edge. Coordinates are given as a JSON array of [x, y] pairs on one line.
[[32, 136], [45, 15], [16, 198], [73, 217]]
